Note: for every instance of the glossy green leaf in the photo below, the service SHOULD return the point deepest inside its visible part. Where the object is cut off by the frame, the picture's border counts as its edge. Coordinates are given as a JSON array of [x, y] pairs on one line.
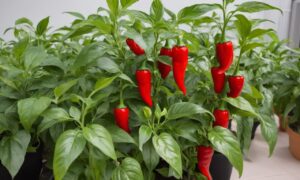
[[76, 14], [167, 148], [88, 54], [241, 103], [128, 3], [64, 87], [33, 57], [68, 147], [269, 131], [226, 143], [145, 133], [194, 12], [119, 135], [129, 169], [30, 109], [243, 25], [42, 26], [108, 65], [151, 158], [113, 6], [13, 150], [24, 20], [51, 117], [98, 136], [255, 6], [258, 33], [75, 113], [185, 109], [157, 10]]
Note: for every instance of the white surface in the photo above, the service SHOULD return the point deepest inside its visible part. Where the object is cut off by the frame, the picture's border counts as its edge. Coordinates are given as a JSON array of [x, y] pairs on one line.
[[10, 10], [281, 166]]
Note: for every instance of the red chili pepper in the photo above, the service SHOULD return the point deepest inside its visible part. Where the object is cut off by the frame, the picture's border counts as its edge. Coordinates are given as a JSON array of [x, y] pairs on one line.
[[236, 84], [204, 156], [221, 118], [180, 62], [163, 68], [225, 55], [121, 118], [219, 78], [134, 47], [143, 77]]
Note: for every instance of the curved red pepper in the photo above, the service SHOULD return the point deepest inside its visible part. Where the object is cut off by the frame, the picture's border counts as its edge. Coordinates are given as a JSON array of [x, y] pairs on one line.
[[121, 118], [236, 84], [134, 47], [204, 156], [180, 56], [225, 55], [221, 118], [163, 68], [143, 78], [219, 78]]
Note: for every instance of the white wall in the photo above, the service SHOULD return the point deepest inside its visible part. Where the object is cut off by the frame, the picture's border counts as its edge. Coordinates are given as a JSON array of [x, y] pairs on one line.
[[10, 10]]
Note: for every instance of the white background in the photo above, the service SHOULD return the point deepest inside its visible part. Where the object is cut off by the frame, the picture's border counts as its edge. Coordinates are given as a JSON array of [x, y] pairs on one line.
[[10, 10]]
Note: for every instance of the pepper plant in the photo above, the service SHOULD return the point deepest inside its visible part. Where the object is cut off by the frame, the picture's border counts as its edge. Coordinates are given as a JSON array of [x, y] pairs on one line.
[[124, 94]]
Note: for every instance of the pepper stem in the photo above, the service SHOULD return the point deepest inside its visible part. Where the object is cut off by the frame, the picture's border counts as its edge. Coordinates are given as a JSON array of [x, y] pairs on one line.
[[180, 41], [144, 66], [121, 105], [223, 105], [168, 44]]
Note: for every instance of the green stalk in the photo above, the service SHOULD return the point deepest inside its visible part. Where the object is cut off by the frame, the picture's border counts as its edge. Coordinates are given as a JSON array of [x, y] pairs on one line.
[[225, 21], [239, 60]]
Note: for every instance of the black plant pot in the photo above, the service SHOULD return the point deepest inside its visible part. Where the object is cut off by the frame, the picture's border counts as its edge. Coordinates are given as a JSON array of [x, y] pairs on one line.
[[220, 167], [254, 128], [30, 169]]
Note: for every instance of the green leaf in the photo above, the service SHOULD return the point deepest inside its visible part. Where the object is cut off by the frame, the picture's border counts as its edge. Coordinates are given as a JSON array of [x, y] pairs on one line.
[[119, 135], [241, 103], [269, 131], [24, 20], [151, 158], [51, 117], [69, 146], [13, 150], [145, 133], [157, 10], [85, 29], [251, 46], [226, 143], [88, 54], [108, 65], [30, 109], [255, 6], [129, 169], [76, 14], [126, 78], [98, 136], [75, 113], [102, 83], [258, 32], [63, 88], [126, 3], [42, 26], [33, 57], [194, 12], [101, 25], [113, 6], [185, 109], [140, 15], [243, 25], [167, 148], [244, 132]]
